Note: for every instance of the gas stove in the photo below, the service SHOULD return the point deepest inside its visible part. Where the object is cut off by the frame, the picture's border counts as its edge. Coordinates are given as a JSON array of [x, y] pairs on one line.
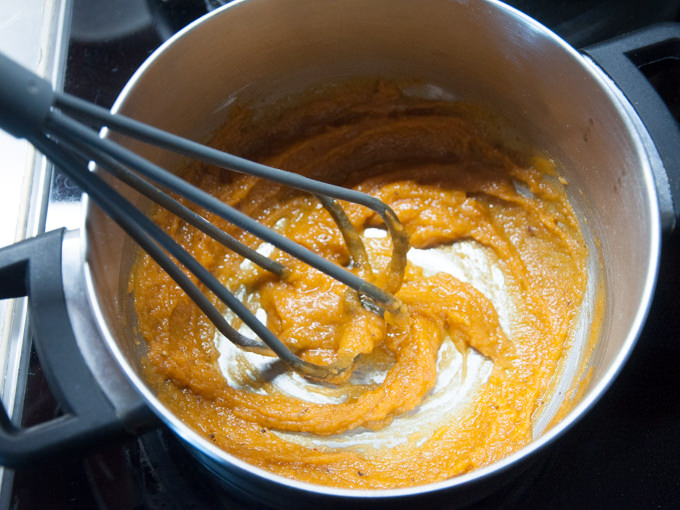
[[623, 454]]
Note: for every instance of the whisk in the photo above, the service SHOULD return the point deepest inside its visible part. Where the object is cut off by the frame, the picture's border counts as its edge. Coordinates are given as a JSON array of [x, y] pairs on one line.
[[65, 129]]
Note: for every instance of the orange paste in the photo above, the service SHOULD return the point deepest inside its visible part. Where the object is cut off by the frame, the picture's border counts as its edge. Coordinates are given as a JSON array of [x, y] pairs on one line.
[[448, 181]]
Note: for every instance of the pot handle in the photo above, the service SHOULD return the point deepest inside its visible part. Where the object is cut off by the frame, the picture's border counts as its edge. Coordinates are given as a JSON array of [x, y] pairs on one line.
[[32, 268], [624, 59]]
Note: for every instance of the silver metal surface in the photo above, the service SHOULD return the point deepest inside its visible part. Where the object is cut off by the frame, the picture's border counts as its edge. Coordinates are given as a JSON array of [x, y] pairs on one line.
[[34, 33], [261, 50], [111, 380]]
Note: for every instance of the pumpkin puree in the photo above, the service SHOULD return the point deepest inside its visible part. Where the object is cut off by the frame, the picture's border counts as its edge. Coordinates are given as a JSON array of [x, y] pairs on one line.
[[447, 181]]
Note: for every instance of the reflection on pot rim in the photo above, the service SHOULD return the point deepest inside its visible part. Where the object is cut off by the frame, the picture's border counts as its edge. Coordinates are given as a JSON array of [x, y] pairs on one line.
[[612, 358]]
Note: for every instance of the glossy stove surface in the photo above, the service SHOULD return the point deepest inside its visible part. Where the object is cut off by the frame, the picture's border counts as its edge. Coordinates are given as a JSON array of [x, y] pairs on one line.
[[623, 454]]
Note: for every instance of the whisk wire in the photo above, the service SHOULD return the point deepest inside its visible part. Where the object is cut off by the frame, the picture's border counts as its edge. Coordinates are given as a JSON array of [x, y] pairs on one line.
[[186, 147], [163, 199], [154, 241], [64, 128]]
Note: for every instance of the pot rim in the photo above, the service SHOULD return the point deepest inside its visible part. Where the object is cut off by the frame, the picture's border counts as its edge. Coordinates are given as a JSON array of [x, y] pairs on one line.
[[642, 143]]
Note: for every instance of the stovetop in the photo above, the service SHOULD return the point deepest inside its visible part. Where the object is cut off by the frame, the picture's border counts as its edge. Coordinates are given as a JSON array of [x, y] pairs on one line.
[[623, 454]]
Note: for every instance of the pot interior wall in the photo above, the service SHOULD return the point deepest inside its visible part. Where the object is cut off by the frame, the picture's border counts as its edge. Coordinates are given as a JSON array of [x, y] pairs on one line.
[[481, 51]]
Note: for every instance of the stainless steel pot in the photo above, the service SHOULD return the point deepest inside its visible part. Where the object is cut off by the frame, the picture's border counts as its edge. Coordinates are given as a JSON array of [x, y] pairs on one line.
[[261, 50]]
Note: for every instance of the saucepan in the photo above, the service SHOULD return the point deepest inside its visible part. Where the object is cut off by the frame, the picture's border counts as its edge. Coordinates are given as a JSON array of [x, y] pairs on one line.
[[616, 151]]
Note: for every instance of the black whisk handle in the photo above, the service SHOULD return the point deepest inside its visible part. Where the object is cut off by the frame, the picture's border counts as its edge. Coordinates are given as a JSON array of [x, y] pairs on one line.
[[25, 99]]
